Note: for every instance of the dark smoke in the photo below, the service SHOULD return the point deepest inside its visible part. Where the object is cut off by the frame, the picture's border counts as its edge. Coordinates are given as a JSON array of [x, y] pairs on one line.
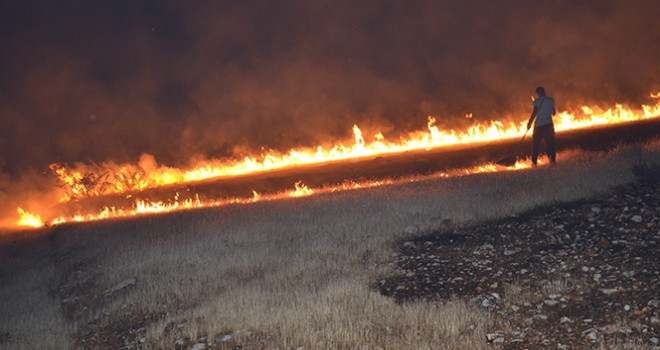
[[109, 80]]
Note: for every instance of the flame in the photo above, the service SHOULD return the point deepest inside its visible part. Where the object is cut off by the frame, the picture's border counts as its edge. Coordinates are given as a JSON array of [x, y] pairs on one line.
[[29, 219], [145, 207], [89, 180], [86, 180]]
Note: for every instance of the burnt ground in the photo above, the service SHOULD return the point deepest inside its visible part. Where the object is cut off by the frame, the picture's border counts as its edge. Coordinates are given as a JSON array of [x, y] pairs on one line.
[[575, 275]]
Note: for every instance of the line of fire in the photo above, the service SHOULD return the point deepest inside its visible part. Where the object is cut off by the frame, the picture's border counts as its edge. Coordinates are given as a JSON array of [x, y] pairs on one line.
[[90, 192]]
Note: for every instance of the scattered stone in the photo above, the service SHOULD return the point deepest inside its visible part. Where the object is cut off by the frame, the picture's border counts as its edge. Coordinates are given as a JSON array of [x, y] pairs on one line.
[[653, 303], [199, 346], [654, 341], [509, 252], [565, 320], [636, 218]]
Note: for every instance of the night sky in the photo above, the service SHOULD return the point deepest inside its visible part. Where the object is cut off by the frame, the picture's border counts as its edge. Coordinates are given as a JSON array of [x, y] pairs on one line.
[[110, 80]]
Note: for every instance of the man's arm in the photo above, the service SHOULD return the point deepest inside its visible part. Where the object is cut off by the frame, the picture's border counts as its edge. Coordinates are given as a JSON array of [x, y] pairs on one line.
[[531, 118]]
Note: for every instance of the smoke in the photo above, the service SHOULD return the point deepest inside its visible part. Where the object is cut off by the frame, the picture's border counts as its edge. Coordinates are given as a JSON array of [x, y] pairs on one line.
[[98, 81]]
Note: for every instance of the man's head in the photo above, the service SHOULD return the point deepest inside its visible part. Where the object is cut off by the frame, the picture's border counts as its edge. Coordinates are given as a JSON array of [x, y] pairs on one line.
[[540, 91]]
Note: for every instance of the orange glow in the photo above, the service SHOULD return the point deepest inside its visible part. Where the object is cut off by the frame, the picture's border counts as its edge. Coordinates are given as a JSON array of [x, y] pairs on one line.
[[85, 180]]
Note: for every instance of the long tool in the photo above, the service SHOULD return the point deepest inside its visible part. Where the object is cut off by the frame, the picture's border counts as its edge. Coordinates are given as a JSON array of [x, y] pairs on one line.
[[512, 159]]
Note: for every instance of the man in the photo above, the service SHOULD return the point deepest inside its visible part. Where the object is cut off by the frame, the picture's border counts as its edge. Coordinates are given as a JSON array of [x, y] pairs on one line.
[[544, 129]]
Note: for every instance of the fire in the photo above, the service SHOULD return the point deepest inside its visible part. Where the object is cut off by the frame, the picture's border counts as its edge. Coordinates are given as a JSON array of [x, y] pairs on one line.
[[85, 180], [145, 207], [95, 180], [29, 219]]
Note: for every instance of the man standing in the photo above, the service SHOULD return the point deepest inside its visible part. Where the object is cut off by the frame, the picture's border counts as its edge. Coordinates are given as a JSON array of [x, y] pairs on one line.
[[544, 129]]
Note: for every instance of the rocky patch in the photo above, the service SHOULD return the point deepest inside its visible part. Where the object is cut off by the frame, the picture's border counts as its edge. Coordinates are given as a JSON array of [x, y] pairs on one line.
[[577, 275]]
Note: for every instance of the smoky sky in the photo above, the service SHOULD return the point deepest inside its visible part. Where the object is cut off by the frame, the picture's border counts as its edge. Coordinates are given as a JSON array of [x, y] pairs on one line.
[[95, 81]]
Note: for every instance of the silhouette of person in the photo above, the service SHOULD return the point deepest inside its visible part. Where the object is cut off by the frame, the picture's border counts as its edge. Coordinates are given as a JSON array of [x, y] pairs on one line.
[[544, 129]]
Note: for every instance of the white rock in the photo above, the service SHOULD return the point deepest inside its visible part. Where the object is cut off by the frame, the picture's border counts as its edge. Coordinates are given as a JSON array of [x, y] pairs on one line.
[[653, 303], [654, 341], [609, 291], [509, 252], [550, 302], [495, 295], [199, 346], [485, 303], [565, 320], [627, 308], [636, 218], [592, 335], [595, 210]]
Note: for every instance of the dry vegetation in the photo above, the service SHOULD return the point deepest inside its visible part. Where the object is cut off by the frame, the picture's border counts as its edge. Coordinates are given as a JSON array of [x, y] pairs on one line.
[[280, 274]]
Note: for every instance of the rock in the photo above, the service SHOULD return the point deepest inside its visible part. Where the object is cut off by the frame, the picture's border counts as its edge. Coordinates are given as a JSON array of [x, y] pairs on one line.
[[636, 219], [653, 303], [180, 344], [540, 317], [199, 346], [629, 274], [509, 252], [565, 320], [591, 335], [626, 308], [222, 337], [550, 302], [494, 338], [654, 341], [485, 303], [411, 230], [608, 291], [409, 244], [119, 286]]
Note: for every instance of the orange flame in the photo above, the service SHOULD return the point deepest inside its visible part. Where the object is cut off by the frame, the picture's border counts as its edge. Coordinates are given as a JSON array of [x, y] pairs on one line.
[[96, 180], [29, 219]]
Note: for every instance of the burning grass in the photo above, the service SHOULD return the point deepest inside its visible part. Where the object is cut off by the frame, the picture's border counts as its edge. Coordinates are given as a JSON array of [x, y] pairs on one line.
[[282, 274]]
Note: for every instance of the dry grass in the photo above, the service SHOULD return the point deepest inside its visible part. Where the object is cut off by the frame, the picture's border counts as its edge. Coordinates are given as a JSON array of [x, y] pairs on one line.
[[296, 272]]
